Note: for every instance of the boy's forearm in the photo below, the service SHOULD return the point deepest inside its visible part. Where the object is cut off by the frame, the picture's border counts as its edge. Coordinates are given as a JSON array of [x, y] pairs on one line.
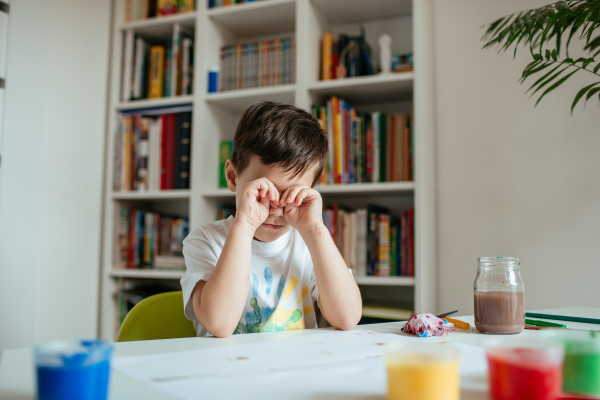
[[224, 294], [339, 297]]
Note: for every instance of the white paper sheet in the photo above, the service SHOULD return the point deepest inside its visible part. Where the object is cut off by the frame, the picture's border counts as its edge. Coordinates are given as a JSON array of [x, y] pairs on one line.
[[330, 365]]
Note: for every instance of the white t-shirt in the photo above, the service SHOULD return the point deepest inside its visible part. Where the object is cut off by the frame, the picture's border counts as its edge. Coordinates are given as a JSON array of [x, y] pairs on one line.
[[282, 286]]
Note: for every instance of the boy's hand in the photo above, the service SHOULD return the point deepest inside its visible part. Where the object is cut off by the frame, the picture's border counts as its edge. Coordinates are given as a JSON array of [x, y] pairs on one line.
[[255, 202], [303, 207]]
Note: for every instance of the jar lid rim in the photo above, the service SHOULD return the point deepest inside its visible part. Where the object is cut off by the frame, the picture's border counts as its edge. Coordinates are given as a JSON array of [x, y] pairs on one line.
[[497, 260]]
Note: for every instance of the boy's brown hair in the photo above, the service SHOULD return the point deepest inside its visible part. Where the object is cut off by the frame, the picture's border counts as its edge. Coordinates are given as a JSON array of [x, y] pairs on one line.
[[280, 134]]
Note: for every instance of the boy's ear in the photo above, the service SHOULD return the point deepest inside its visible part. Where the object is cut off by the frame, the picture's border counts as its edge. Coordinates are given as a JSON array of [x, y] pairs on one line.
[[230, 175]]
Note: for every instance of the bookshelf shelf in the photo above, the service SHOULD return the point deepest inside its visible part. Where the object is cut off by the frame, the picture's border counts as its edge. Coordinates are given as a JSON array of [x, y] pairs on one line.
[[349, 189], [239, 100], [160, 27], [219, 193], [162, 195], [149, 103], [361, 188], [215, 117], [145, 274], [256, 18], [366, 89], [360, 11], [385, 280]]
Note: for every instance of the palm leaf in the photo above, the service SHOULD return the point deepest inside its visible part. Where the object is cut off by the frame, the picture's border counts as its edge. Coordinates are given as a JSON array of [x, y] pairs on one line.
[[542, 30]]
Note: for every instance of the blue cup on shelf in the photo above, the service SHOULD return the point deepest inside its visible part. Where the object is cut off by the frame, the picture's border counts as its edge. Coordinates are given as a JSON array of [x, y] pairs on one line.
[[73, 369]]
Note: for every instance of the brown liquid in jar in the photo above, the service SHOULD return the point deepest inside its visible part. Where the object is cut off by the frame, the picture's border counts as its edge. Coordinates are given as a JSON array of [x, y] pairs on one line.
[[499, 312]]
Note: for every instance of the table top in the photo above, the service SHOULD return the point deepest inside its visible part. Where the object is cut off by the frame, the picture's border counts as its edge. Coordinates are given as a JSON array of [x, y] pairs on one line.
[[17, 375]]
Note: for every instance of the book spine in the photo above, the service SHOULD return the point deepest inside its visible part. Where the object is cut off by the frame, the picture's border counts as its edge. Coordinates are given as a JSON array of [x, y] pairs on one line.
[[178, 148], [224, 154], [361, 246], [169, 147], [175, 58], [122, 238], [382, 148], [157, 55], [375, 146], [184, 144], [143, 153], [185, 65], [293, 60], [403, 255], [384, 245], [393, 238], [389, 149], [411, 242], [239, 66], [223, 70], [326, 49], [132, 239], [118, 155]]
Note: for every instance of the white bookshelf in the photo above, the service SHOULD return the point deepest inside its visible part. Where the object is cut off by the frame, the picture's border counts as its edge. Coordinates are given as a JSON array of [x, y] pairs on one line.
[[215, 117]]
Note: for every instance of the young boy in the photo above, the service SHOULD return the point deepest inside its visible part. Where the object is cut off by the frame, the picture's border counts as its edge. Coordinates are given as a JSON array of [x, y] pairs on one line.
[[260, 270]]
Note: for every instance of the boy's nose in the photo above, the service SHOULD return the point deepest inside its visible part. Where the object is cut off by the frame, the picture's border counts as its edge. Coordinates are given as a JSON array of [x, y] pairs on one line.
[[276, 211]]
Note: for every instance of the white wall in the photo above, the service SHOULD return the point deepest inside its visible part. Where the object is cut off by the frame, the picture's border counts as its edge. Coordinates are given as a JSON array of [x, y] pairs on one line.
[[513, 180], [51, 172]]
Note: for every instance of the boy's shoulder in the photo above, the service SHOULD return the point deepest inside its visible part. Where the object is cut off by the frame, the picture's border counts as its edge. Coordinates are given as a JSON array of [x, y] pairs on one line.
[[212, 232]]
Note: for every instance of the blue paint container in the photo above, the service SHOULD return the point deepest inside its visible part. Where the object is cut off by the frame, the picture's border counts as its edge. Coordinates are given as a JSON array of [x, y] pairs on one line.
[[73, 369]]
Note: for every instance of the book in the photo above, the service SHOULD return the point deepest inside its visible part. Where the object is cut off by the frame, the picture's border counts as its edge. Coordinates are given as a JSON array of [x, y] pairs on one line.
[[326, 61], [157, 55], [373, 212], [224, 155], [169, 149], [182, 150]]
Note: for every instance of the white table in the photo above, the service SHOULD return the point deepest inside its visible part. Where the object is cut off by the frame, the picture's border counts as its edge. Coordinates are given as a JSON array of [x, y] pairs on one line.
[[17, 375]]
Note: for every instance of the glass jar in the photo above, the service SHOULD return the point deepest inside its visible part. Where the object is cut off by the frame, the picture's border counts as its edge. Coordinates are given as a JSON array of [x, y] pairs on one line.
[[499, 296]]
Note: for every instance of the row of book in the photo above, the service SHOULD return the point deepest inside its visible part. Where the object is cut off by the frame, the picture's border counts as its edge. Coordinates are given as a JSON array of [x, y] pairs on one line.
[[152, 152], [143, 9], [365, 147], [150, 240], [226, 3], [153, 69], [371, 241], [267, 63]]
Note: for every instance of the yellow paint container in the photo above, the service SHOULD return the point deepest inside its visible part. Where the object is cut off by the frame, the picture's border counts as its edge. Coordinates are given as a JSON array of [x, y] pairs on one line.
[[426, 371]]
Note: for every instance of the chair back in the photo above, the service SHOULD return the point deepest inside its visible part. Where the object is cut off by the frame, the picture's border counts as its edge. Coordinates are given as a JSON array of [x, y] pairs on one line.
[[157, 317]]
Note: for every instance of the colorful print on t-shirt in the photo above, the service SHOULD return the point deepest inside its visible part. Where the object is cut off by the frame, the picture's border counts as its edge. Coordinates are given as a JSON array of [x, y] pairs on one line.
[[289, 312]]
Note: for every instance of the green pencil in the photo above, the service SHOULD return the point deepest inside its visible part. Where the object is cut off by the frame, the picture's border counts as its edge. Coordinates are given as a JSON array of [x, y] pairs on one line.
[[563, 318], [543, 323]]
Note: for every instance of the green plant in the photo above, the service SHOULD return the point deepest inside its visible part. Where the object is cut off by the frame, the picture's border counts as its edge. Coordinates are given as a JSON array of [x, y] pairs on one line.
[[548, 31]]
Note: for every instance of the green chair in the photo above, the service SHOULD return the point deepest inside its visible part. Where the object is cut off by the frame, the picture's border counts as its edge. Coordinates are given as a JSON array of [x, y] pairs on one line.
[[157, 317]]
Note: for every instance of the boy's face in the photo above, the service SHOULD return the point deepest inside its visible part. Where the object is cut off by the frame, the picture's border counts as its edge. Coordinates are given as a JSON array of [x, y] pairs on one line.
[[275, 225]]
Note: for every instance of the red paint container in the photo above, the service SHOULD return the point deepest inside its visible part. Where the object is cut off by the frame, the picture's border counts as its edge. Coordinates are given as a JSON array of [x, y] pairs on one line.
[[524, 369]]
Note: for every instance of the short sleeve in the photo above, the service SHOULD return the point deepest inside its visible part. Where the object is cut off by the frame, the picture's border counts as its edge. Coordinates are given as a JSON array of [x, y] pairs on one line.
[[200, 260], [314, 288]]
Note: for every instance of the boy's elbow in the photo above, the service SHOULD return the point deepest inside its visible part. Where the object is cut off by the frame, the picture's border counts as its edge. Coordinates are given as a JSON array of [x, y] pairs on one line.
[[347, 323], [219, 332]]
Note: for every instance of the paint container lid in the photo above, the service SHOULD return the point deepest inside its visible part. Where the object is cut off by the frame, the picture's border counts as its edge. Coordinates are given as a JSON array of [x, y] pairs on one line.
[[525, 352], [419, 353], [574, 341], [72, 353]]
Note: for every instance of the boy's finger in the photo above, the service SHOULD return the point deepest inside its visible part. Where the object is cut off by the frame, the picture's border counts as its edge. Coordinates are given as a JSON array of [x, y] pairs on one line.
[[274, 193], [284, 196], [293, 193], [302, 195]]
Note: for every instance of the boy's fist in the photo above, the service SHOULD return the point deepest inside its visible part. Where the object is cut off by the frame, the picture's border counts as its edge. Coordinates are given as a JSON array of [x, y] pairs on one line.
[[303, 207], [255, 201]]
